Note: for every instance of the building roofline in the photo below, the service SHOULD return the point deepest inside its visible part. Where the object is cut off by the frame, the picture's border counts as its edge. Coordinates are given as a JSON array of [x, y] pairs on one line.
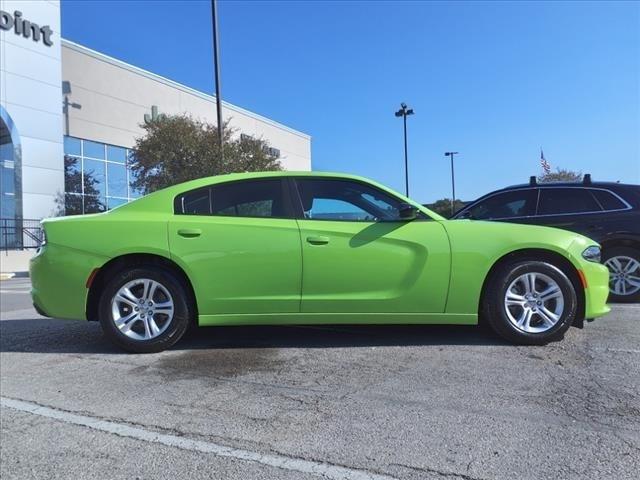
[[158, 78]]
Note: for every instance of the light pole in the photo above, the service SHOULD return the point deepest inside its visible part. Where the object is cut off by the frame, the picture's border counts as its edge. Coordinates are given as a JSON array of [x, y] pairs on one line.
[[216, 61], [403, 112], [453, 181]]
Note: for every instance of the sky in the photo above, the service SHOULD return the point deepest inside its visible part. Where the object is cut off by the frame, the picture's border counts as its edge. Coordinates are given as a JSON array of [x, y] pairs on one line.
[[495, 81]]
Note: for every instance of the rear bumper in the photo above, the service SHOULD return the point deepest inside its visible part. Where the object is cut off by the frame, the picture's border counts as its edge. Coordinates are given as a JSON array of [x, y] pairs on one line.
[[58, 281]]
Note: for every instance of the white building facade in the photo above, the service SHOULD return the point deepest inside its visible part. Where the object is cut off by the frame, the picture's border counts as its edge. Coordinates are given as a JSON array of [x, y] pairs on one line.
[[67, 112]]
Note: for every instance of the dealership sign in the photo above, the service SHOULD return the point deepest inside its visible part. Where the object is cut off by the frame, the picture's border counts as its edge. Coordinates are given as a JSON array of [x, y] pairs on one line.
[[23, 27]]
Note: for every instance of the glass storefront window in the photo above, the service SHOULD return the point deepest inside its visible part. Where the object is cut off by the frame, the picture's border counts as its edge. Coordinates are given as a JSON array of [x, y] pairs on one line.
[[94, 204], [72, 174], [72, 146], [97, 176], [117, 180], [72, 204], [94, 177], [115, 202], [116, 154], [93, 149]]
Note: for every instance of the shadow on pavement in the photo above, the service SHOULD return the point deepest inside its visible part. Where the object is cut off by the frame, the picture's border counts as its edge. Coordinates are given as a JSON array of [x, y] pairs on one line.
[[44, 335]]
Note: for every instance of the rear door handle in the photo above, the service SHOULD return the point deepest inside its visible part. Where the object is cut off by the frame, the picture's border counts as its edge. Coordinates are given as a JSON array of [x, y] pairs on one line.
[[189, 232], [318, 240]]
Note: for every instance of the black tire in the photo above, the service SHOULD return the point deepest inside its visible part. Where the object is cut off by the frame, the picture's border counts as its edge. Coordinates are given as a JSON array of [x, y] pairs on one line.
[[173, 330], [625, 252], [495, 310]]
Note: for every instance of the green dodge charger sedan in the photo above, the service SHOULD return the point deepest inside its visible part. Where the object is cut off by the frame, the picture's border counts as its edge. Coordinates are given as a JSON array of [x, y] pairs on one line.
[[307, 248]]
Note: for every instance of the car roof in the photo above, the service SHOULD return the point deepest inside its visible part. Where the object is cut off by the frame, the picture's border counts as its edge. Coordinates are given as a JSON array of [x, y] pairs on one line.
[[155, 199], [592, 184], [230, 177], [569, 184]]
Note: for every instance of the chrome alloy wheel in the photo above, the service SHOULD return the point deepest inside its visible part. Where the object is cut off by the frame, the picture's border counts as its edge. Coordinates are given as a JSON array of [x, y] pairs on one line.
[[142, 309], [624, 275], [534, 302]]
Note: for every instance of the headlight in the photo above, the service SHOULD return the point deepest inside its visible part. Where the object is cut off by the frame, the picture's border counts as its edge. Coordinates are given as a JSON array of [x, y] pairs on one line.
[[592, 254], [43, 238]]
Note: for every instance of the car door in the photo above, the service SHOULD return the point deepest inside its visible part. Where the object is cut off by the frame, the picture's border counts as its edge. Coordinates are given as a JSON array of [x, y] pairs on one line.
[[240, 245], [359, 257]]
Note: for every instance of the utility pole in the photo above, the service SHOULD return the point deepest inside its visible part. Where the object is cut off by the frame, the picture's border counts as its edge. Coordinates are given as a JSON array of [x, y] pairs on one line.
[[216, 61], [453, 181], [403, 112]]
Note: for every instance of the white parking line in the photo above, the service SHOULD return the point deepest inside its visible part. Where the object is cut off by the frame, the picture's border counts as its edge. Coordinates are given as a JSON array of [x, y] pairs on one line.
[[321, 469], [15, 291]]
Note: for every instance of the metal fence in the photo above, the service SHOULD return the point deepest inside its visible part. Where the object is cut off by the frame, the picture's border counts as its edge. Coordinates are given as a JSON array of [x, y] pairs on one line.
[[19, 233]]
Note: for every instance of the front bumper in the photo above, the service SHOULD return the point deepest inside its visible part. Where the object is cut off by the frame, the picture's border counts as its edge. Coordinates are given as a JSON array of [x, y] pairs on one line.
[[597, 289]]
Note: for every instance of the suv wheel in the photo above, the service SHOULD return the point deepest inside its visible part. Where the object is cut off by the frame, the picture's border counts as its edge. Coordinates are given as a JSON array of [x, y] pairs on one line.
[[624, 273], [530, 302]]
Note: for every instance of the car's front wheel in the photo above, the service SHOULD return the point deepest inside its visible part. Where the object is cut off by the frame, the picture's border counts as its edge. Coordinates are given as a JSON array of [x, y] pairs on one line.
[[144, 310], [624, 273], [530, 302]]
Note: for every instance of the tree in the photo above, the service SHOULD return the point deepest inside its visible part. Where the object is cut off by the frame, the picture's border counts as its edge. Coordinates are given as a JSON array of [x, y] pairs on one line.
[[560, 175], [443, 206], [178, 148]]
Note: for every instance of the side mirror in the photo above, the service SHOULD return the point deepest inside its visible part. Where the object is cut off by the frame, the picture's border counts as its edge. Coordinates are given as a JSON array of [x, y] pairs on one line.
[[408, 212]]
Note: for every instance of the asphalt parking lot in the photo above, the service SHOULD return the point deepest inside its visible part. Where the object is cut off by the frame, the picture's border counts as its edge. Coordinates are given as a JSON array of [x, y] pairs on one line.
[[417, 402]]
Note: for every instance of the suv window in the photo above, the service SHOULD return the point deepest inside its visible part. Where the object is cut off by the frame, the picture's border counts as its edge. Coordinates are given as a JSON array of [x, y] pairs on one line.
[[246, 198], [557, 201], [608, 200], [517, 203], [328, 199]]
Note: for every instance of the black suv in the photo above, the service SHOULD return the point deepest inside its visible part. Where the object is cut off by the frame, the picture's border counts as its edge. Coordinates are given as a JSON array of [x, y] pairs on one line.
[[609, 213]]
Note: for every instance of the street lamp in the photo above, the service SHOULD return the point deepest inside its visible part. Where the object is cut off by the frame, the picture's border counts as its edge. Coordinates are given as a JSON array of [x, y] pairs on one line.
[[453, 182], [403, 112], [216, 61]]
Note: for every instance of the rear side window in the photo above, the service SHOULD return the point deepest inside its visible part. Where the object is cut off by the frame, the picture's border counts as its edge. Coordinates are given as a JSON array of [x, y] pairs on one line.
[[250, 198], [247, 198], [608, 200], [196, 202], [517, 203], [558, 201]]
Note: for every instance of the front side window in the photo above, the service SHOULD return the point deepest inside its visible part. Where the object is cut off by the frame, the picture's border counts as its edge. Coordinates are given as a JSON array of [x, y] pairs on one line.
[[249, 198], [517, 203], [559, 201], [345, 200]]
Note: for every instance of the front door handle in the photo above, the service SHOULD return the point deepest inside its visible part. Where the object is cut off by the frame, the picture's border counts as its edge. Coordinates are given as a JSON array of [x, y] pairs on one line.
[[318, 240], [189, 232]]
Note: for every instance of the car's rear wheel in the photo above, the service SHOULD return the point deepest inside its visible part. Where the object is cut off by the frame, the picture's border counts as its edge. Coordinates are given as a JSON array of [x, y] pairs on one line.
[[530, 302], [624, 273], [144, 310]]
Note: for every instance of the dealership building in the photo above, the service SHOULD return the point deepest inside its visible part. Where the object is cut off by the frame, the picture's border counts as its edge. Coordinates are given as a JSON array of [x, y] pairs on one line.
[[66, 109]]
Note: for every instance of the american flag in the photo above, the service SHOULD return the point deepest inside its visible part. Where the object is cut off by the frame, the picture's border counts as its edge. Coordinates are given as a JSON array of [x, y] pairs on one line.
[[543, 162]]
